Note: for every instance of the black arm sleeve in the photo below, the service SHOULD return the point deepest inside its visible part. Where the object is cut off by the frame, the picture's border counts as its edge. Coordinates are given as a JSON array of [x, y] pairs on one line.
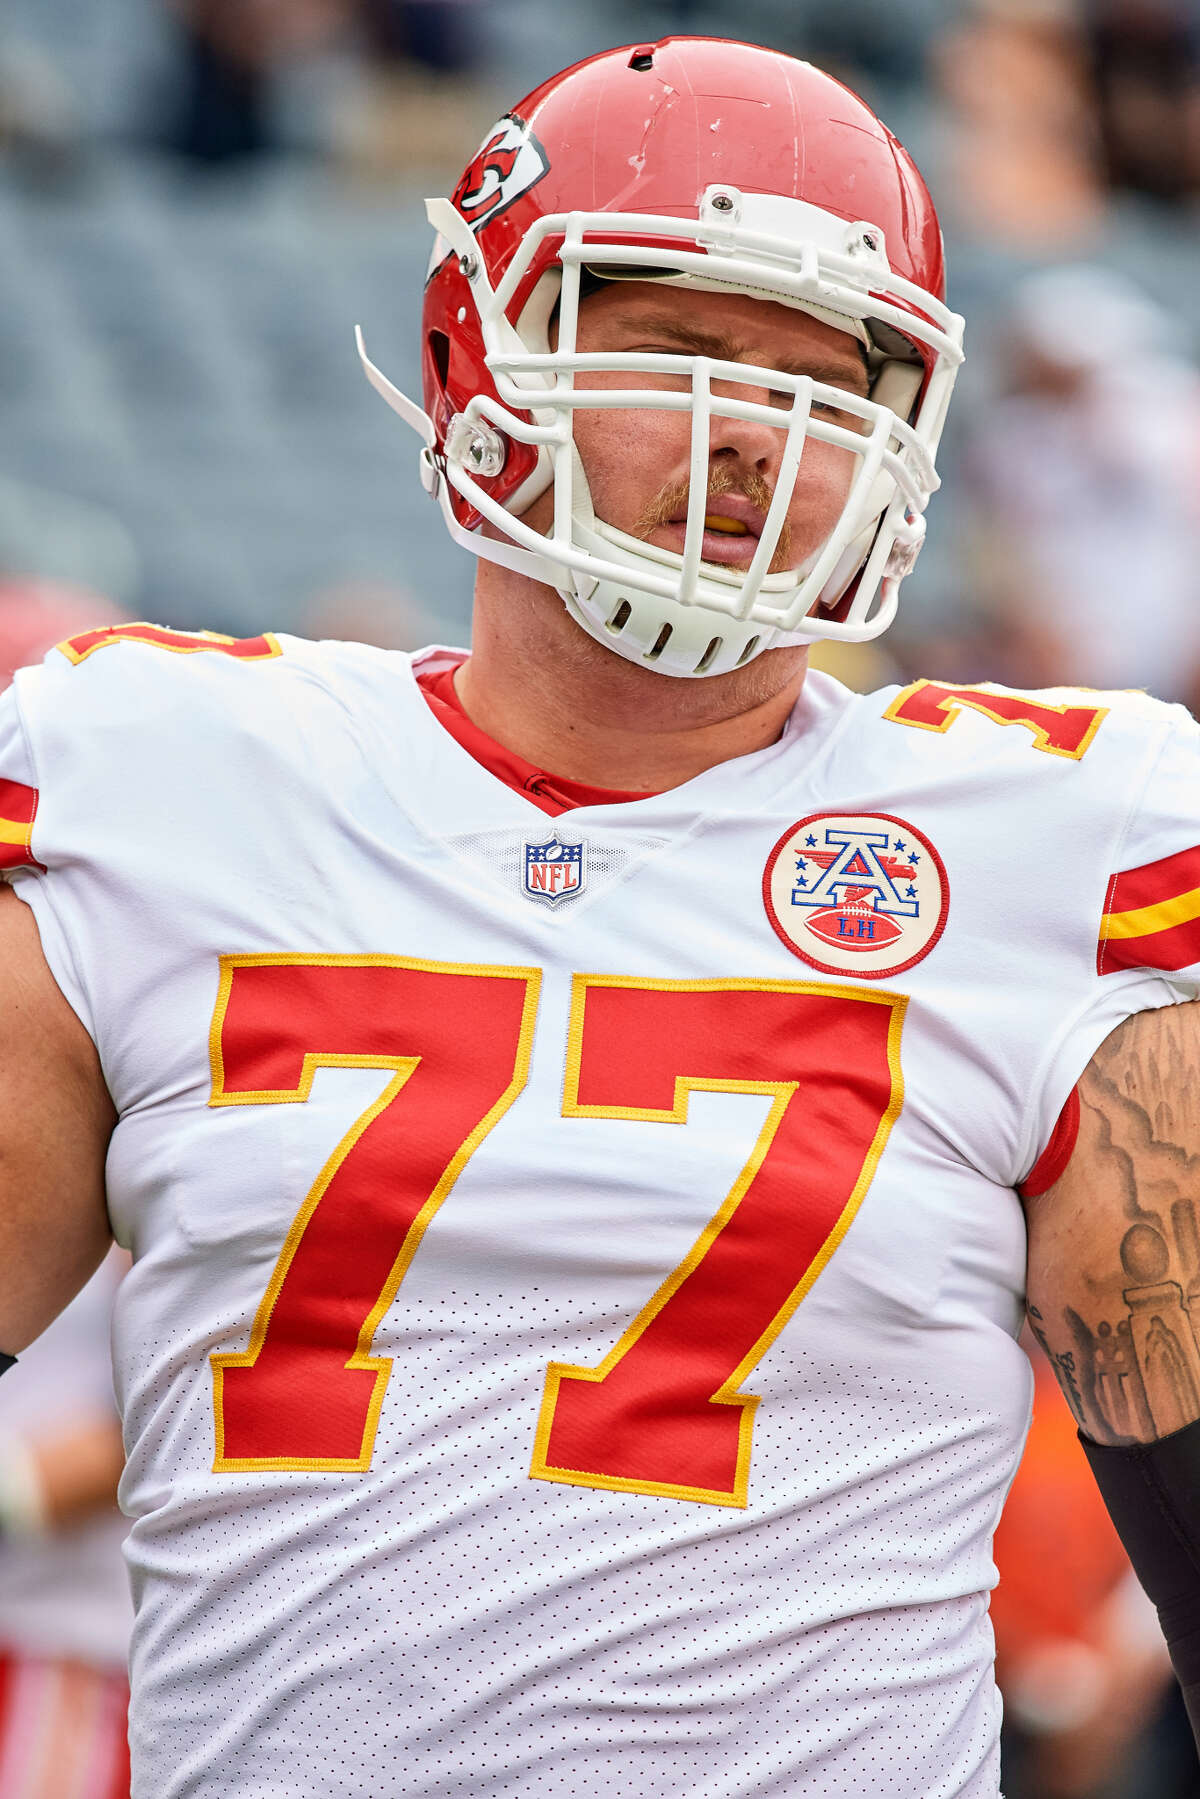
[[1152, 1491]]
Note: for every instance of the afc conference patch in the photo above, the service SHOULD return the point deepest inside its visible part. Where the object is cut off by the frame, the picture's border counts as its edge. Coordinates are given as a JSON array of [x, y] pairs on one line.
[[554, 870], [856, 893]]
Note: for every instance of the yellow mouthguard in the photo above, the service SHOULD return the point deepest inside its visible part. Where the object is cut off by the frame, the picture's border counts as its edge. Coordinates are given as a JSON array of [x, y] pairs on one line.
[[731, 527]]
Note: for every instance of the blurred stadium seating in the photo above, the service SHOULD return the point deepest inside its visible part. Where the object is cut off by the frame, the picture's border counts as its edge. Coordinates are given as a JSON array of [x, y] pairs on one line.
[[185, 424]]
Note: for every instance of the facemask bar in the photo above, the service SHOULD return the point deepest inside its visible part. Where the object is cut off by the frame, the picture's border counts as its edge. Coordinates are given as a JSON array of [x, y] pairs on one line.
[[757, 262], [734, 592], [763, 263]]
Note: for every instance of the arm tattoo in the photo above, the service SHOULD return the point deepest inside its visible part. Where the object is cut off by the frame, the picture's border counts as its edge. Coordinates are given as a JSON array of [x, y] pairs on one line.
[[1119, 1246]]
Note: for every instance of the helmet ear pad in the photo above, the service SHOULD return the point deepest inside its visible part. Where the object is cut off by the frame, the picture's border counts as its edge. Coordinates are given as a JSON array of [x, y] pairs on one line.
[[898, 385]]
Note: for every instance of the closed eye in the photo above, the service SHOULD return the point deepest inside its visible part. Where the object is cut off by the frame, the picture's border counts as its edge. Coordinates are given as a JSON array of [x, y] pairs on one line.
[[780, 398], [837, 415]]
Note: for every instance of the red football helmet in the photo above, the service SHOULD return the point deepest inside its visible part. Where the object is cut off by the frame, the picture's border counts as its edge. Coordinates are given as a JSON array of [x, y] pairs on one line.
[[708, 164]]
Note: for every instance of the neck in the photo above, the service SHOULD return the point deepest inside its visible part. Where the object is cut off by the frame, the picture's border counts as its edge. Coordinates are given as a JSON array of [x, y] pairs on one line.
[[538, 684]]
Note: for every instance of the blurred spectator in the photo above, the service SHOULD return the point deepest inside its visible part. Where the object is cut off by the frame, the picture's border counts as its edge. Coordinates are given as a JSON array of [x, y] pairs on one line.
[[1146, 64], [65, 1611], [436, 34], [420, 108], [1023, 144], [230, 48], [234, 49], [877, 50], [1079, 1655], [1085, 502]]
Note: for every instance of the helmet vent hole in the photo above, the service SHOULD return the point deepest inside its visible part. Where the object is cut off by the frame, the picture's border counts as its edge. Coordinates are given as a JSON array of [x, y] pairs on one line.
[[439, 349], [659, 645], [619, 618], [714, 644], [642, 59], [748, 651]]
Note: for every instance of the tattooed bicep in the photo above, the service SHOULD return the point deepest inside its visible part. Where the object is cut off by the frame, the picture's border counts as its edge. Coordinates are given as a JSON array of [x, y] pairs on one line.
[[1114, 1245]]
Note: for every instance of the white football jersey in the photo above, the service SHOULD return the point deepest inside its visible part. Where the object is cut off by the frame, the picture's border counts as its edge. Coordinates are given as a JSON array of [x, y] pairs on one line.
[[570, 1347]]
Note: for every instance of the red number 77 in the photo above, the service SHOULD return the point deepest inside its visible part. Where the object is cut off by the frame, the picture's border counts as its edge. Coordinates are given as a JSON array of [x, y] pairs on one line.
[[662, 1413]]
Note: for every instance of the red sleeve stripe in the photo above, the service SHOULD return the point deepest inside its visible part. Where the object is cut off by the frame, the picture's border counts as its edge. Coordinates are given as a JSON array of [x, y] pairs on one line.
[[1154, 882], [18, 809], [1176, 948], [1152, 916]]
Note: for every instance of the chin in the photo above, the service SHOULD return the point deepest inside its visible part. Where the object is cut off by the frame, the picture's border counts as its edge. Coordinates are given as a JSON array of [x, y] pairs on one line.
[[651, 696]]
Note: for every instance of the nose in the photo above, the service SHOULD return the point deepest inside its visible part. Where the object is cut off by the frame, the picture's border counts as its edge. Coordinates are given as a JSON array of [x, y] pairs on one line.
[[751, 442]]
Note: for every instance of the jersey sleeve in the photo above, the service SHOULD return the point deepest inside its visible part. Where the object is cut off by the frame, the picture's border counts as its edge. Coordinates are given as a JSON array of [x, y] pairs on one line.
[[18, 792], [20, 864], [1138, 942], [107, 748], [1151, 916]]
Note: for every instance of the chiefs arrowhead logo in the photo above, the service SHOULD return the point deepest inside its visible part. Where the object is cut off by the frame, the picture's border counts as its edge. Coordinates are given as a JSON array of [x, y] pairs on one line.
[[508, 163]]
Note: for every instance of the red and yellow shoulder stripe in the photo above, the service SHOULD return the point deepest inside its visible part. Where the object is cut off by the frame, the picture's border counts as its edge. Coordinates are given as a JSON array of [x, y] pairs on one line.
[[183, 643], [18, 809], [1152, 916]]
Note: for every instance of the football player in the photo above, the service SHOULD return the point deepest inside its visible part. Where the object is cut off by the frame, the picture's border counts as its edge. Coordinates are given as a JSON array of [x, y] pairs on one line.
[[568, 1103]]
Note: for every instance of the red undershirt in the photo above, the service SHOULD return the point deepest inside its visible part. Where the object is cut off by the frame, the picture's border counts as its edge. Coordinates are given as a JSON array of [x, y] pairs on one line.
[[550, 793], [555, 794], [1057, 1153]]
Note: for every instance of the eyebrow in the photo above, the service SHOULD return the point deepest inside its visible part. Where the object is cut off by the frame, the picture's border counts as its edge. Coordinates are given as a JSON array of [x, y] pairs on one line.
[[722, 347]]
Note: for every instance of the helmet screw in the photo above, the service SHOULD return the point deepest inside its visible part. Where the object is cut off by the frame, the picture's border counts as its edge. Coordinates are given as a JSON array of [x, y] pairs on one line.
[[870, 240], [721, 203], [469, 266]]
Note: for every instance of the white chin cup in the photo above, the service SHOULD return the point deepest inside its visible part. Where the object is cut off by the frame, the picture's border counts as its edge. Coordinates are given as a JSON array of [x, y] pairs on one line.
[[662, 634]]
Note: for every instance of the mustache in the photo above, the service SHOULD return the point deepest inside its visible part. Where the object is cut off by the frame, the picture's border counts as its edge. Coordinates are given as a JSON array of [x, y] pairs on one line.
[[672, 500]]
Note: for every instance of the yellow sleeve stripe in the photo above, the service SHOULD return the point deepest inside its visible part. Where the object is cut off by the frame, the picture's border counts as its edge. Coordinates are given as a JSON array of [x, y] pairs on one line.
[[1143, 921], [13, 831]]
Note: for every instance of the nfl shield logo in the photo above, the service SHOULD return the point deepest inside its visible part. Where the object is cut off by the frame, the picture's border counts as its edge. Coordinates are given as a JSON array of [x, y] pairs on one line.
[[555, 870]]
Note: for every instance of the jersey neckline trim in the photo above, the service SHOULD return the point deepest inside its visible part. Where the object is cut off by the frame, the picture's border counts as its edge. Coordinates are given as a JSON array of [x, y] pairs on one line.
[[551, 793], [740, 785]]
